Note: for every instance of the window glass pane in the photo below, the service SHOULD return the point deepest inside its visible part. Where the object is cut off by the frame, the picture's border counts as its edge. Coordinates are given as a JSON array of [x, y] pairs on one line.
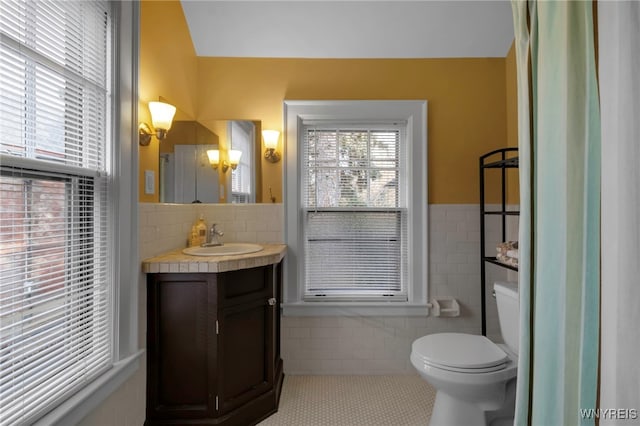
[[351, 253], [72, 34], [385, 146], [353, 190], [49, 114], [32, 236], [12, 105], [352, 249], [365, 174], [353, 148], [326, 188], [383, 185], [56, 96], [54, 289], [322, 148]]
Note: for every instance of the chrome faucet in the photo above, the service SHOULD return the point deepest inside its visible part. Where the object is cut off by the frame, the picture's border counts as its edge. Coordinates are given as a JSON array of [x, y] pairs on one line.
[[214, 233]]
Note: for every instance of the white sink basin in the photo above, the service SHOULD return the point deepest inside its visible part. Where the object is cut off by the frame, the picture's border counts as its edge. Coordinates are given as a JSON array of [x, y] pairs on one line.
[[226, 249]]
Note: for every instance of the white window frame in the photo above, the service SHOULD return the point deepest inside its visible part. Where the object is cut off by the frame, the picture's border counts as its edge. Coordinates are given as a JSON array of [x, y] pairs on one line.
[[414, 113], [123, 214]]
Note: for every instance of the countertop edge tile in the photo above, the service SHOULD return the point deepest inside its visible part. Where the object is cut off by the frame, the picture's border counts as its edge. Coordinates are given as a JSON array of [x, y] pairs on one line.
[[177, 262]]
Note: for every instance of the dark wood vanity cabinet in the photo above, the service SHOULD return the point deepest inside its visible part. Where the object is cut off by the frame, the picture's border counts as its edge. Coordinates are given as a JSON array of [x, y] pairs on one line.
[[213, 349]]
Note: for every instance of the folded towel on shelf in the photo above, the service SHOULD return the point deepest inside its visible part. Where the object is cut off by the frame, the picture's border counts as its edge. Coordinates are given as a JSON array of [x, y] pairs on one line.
[[506, 246], [507, 253], [512, 261]]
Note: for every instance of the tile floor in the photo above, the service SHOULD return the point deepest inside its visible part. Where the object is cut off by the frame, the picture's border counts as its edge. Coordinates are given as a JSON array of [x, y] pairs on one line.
[[402, 400]]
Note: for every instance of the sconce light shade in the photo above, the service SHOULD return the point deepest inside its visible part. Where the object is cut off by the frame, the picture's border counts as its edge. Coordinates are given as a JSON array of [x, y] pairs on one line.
[[234, 158], [214, 157], [161, 117], [270, 138]]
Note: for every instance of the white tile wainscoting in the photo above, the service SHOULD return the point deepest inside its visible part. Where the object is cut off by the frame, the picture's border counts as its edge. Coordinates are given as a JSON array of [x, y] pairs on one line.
[[351, 345]]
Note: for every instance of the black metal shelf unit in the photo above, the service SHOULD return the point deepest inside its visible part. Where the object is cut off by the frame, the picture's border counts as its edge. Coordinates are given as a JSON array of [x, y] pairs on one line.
[[500, 159]]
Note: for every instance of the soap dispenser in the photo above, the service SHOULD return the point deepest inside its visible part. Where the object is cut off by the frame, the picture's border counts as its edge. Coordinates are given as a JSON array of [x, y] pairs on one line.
[[201, 228], [194, 240]]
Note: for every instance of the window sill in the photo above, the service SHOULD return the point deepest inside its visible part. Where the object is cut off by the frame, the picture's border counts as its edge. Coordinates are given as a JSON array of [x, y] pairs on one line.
[[347, 309], [74, 409]]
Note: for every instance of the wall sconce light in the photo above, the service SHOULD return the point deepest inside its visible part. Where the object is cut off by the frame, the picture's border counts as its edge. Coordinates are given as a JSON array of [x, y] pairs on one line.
[[234, 159], [214, 158], [161, 118], [270, 138]]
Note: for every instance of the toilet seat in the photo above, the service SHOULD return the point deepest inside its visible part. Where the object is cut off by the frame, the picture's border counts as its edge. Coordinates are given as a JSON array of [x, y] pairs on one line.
[[464, 353]]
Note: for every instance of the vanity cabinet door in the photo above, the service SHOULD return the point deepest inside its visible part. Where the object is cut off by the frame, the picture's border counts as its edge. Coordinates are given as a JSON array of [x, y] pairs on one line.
[[245, 353], [181, 345], [246, 340]]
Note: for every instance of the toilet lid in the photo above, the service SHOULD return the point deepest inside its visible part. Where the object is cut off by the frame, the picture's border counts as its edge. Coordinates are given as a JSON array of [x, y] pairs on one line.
[[457, 351]]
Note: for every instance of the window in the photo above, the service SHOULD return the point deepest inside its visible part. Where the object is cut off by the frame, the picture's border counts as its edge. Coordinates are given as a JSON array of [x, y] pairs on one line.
[[355, 207], [59, 246], [243, 139]]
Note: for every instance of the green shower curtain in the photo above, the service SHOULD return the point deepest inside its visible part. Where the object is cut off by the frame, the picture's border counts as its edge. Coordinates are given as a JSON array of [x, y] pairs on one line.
[[559, 142]]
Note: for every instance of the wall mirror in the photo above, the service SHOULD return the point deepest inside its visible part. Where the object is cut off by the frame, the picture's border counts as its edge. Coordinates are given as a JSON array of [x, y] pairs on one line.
[[186, 174], [183, 166]]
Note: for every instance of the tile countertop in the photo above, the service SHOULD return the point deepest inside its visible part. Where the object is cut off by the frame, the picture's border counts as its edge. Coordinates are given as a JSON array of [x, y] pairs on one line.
[[177, 262]]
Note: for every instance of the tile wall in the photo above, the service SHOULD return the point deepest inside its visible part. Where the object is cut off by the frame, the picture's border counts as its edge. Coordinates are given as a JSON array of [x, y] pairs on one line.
[[165, 227], [351, 345]]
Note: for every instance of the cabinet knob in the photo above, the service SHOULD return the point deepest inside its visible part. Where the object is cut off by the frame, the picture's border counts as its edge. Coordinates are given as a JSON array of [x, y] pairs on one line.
[[271, 301]]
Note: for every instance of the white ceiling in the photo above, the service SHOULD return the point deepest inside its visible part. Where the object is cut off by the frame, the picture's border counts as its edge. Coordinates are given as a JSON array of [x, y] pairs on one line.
[[350, 29]]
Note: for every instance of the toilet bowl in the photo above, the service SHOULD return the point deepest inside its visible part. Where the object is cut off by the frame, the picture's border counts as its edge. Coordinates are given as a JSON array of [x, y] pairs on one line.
[[475, 378]]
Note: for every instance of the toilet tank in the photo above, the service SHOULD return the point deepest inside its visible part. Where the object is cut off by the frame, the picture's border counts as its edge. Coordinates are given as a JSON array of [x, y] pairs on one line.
[[508, 313]]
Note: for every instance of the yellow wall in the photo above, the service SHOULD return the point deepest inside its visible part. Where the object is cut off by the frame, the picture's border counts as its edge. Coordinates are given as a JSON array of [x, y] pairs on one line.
[[468, 99], [168, 70], [466, 104]]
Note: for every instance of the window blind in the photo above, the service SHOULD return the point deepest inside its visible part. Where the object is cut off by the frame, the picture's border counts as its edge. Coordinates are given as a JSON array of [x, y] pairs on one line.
[[354, 213], [242, 138], [55, 292]]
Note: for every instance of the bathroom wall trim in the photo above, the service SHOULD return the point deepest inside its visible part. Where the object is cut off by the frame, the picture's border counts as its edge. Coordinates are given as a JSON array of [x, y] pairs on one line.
[[321, 309]]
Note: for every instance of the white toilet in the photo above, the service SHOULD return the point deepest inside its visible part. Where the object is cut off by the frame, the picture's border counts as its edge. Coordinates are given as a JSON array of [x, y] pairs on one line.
[[475, 379]]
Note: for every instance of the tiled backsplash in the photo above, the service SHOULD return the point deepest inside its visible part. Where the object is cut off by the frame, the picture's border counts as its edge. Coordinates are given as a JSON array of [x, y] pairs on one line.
[[351, 345], [166, 227]]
